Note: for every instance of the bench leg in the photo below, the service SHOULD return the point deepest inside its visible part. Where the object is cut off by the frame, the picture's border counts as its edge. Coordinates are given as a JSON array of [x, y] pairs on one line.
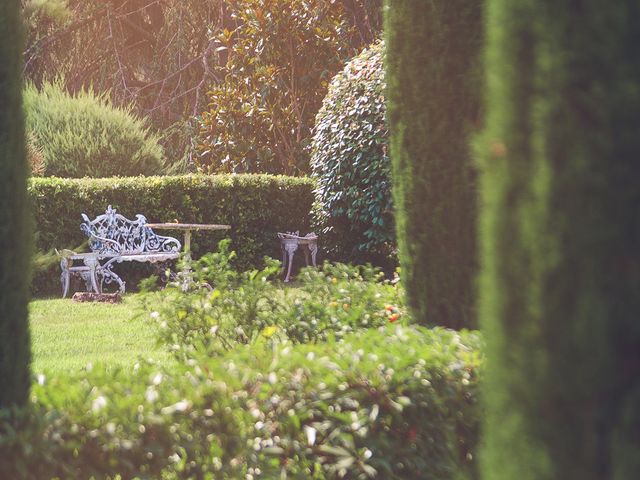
[[88, 281], [109, 276], [92, 276], [65, 276]]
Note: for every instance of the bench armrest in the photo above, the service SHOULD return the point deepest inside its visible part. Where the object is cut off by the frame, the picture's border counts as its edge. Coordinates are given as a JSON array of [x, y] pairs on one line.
[[160, 243]]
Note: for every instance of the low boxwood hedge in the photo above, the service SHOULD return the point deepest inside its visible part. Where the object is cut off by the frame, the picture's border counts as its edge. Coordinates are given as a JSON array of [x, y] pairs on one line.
[[256, 207], [391, 403]]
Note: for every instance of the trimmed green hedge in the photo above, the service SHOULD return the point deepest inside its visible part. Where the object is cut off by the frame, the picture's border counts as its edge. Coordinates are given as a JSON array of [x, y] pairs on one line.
[[395, 403], [433, 106], [256, 207], [559, 234]]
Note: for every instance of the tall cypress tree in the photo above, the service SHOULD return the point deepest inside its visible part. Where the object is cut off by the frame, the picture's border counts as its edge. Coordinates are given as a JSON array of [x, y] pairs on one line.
[[560, 240], [433, 96], [15, 251]]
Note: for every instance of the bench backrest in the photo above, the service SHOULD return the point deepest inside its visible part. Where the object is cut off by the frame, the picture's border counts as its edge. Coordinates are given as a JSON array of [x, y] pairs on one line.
[[114, 234]]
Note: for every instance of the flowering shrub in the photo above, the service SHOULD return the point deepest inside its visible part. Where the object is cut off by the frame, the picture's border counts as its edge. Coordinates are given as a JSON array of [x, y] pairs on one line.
[[233, 312], [250, 307], [142, 423], [321, 380], [391, 403], [338, 299]]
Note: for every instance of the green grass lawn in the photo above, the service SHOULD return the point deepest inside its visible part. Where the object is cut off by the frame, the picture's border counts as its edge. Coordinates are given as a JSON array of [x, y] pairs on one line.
[[66, 335]]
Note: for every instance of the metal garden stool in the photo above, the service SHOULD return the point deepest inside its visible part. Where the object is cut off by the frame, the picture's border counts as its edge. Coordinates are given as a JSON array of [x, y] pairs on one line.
[[290, 241]]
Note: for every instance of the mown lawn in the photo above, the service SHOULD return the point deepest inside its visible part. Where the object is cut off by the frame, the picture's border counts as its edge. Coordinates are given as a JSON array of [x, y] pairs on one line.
[[66, 335]]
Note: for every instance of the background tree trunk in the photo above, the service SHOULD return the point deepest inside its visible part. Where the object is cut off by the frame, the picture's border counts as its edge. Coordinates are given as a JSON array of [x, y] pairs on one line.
[[15, 248], [560, 238], [433, 96]]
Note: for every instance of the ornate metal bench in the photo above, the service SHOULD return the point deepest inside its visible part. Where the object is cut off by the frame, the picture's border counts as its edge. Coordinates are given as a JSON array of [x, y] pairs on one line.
[[115, 239]]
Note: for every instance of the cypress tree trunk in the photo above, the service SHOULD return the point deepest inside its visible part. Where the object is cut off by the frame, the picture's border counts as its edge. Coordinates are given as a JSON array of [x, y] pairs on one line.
[[433, 96], [560, 240], [15, 251]]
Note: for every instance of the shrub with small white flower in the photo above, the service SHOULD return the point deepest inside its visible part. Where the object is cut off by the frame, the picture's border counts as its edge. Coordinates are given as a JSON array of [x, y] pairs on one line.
[[396, 402]]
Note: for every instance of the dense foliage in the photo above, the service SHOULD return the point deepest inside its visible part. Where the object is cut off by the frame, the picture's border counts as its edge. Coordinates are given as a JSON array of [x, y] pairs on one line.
[[560, 262], [15, 246], [279, 60], [84, 135], [155, 56], [162, 57], [247, 307], [395, 403], [433, 51], [349, 160], [256, 207]]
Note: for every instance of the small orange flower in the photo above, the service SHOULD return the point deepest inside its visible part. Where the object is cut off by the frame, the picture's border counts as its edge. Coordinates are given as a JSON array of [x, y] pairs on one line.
[[498, 149], [345, 305], [389, 308], [393, 317]]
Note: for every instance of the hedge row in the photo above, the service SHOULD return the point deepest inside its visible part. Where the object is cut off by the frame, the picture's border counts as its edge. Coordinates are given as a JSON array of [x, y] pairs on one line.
[[395, 403], [256, 207]]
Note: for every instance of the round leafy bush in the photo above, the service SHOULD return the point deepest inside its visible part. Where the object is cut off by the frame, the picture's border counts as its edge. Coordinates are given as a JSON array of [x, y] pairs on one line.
[[84, 135], [350, 162]]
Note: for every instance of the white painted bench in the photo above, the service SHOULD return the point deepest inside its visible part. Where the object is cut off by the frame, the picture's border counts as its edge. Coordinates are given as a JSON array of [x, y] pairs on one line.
[[113, 239]]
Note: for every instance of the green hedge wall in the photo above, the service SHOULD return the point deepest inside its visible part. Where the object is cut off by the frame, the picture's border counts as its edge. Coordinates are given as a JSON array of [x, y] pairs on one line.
[[560, 229], [256, 207]]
